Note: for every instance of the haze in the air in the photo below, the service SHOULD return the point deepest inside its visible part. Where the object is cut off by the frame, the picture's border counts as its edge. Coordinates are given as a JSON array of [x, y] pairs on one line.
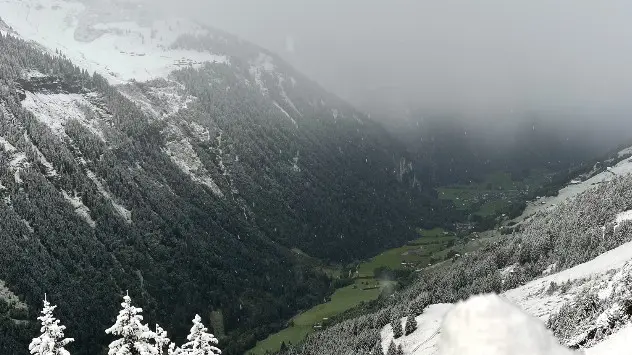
[[464, 56]]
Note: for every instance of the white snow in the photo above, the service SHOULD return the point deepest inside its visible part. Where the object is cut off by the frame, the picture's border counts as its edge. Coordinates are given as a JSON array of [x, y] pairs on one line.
[[116, 47], [625, 151], [17, 160], [618, 343], [534, 299], [490, 325], [622, 217], [55, 110], [201, 132], [159, 101], [425, 339], [624, 167], [181, 152], [80, 209], [287, 98], [285, 113], [120, 209], [263, 63], [335, 113]]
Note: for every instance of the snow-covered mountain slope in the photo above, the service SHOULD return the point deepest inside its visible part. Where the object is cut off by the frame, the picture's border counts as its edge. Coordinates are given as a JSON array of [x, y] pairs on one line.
[[206, 168], [107, 38]]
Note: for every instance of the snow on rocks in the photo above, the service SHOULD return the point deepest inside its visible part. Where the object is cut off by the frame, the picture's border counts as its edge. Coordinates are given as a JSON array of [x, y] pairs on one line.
[[491, 325], [80, 209], [17, 159], [182, 154], [55, 110], [120, 209], [159, 99], [50, 170]]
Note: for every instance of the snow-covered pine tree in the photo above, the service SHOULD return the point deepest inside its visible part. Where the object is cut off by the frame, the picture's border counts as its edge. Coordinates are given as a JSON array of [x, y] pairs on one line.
[[135, 338], [392, 349], [400, 351], [396, 324], [200, 341], [161, 340], [411, 324], [51, 341]]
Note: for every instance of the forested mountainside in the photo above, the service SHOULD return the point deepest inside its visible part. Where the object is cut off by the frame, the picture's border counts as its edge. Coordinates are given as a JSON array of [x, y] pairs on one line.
[[190, 189], [574, 250]]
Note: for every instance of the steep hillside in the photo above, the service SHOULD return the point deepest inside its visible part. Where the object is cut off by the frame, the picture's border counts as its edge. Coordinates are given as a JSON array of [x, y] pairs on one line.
[[185, 170], [567, 263]]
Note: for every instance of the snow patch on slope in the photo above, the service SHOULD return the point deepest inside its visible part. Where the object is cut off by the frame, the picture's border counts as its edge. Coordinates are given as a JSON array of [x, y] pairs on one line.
[[286, 114], [120, 209], [55, 110], [181, 152], [80, 209], [624, 167], [17, 159], [50, 170], [117, 48], [263, 63], [159, 101]]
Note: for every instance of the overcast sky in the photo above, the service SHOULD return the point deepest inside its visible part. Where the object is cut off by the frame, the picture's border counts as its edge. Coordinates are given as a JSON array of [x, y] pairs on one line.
[[446, 54]]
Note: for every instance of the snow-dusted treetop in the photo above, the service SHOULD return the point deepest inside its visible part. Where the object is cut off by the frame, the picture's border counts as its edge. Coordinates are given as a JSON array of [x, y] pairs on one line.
[[200, 341], [51, 341], [132, 333], [491, 325]]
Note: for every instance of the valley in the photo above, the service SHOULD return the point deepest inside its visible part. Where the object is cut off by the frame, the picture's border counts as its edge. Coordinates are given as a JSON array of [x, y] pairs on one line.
[[375, 278]]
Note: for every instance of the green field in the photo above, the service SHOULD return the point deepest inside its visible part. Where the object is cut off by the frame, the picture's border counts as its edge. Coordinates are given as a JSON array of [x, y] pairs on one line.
[[417, 253], [491, 196], [343, 299]]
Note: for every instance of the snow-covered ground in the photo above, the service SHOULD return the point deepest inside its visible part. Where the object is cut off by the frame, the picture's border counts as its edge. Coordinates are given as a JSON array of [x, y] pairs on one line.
[[601, 274], [624, 167], [425, 339], [493, 326], [105, 42]]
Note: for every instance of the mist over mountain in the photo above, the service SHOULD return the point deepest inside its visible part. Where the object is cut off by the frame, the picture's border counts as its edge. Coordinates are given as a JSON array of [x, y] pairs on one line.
[[308, 177]]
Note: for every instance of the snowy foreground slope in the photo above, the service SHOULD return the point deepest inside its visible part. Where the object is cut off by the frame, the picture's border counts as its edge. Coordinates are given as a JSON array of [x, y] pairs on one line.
[[531, 298], [448, 329]]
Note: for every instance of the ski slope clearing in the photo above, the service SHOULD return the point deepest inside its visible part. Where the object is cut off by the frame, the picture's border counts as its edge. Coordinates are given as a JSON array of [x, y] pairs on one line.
[[106, 42]]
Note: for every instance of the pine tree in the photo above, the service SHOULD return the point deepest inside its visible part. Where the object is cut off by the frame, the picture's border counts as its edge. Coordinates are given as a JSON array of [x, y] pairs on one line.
[[396, 324], [400, 351], [392, 349], [161, 340], [200, 341], [134, 337], [411, 324], [51, 341]]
